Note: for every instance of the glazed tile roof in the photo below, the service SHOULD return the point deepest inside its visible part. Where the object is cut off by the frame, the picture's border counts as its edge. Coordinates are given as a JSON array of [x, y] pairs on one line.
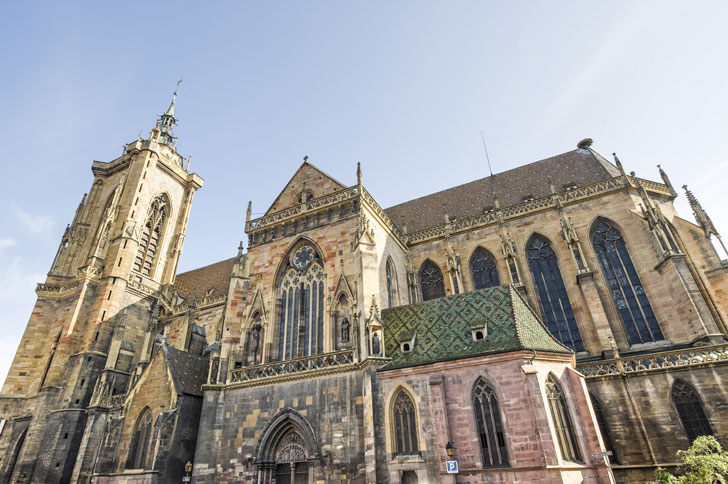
[[579, 167], [210, 280], [442, 328], [189, 372]]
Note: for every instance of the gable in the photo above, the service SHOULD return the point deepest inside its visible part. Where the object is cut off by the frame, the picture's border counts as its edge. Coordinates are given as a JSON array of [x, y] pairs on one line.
[[310, 179]]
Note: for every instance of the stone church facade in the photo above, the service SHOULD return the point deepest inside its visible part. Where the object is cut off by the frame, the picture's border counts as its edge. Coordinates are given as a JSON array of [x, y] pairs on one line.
[[523, 325]]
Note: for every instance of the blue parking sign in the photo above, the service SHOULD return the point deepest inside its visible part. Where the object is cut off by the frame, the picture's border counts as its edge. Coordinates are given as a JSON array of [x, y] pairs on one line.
[[451, 466]]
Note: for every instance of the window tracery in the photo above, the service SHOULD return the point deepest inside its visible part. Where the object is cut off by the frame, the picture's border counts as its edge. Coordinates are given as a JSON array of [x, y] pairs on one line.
[[561, 420], [140, 444], [483, 269], [555, 306], [625, 286], [405, 424], [488, 421], [690, 410], [431, 282], [391, 284], [301, 322], [151, 236]]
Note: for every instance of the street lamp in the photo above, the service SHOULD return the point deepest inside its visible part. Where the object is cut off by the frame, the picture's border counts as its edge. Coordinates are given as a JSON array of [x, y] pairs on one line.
[[449, 449]]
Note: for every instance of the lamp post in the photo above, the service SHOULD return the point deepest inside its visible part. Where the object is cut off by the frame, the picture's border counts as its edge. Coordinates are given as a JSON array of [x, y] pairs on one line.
[[188, 472], [449, 449]]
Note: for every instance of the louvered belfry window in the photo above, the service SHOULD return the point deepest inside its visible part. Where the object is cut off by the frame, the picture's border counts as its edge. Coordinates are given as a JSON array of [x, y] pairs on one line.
[[405, 424], [625, 285], [562, 422], [431, 281], [152, 232], [301, 323], [555, 305], [483, 269], [690, 410], [490, 429]]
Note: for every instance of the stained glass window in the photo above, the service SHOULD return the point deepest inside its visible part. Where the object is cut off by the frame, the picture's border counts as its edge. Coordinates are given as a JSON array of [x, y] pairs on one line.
[[431, 281], [301, 323], [483, 269], [405, 425], [625, 285], [555, 305], [561, 420], [690, 410], [490, 430]]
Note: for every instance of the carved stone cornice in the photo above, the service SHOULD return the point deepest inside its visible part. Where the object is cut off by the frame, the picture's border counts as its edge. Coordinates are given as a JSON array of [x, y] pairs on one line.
[[303, 209], [656, 362], [53, 290], [201, 303], [529, 207]]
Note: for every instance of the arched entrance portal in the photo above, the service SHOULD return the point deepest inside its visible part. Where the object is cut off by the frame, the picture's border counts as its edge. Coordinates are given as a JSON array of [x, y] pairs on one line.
[[286, 450], [291, 460]]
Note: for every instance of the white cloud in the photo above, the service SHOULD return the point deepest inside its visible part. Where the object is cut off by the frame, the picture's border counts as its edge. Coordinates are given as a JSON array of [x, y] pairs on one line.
[[37, 224], [5, 243]]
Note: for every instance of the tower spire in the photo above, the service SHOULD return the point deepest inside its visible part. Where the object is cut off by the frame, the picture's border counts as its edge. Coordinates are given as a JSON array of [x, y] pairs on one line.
[[167, 120]]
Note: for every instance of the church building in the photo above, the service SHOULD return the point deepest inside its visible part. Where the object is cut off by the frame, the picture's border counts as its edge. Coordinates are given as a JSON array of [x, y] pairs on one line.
[[558, 322]]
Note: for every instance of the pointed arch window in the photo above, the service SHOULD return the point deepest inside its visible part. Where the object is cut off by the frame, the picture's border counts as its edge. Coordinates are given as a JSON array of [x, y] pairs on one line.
[[391, 284], [483, 269], [140, 443], [624, 284], [490, 429], [604, 429], [555, 305], [431, 282], [690, 410], [405, 424], [561, 420], [151, 236], [301, 289]]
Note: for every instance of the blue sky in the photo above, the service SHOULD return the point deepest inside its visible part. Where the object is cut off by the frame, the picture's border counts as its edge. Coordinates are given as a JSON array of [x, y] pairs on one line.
[[403, 87]]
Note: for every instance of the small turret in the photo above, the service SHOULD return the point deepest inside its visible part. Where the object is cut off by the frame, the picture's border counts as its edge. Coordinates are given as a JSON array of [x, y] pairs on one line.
[[166, 122], [701, 216]]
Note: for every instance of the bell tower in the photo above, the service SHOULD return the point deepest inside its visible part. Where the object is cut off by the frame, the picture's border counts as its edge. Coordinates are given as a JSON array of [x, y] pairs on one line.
[[93, 311]]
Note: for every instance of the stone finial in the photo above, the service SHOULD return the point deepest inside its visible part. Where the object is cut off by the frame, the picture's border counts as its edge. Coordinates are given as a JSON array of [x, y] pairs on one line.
[[240, 249], [618, 163], [551, 184], [666, 179], [248, 212], [305, 158], [189, 162], [358, 173]]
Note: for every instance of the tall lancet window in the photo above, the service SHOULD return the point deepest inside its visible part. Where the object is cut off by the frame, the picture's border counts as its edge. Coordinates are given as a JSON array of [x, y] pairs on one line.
[[301, 323], [405, 424], [690, 410], [431, 281], [562, 421], [391, 284], [555, 305], [490, 430], [483, 269], [151, 237], [624, 284]]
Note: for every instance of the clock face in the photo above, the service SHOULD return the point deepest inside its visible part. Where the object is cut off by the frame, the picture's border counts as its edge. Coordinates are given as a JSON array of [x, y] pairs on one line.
[[302, 258]]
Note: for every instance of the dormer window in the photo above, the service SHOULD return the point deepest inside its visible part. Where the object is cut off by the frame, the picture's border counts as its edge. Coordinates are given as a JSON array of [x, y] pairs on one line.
[[479, 331], [406, 345]]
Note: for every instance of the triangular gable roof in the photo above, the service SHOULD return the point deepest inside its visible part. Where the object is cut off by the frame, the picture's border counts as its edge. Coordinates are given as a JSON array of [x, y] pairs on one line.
[[189, 372], [443, 327], [308, 173]]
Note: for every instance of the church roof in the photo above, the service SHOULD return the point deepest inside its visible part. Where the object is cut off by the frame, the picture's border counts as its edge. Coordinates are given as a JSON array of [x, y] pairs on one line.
[[441, 328], [189, 372], [205, 281], [574, 168]]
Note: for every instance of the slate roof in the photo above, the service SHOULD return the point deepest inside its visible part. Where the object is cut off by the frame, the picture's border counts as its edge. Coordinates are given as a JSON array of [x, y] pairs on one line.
[[442, 328], [189, 372], [579, 167], [199, 282]]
